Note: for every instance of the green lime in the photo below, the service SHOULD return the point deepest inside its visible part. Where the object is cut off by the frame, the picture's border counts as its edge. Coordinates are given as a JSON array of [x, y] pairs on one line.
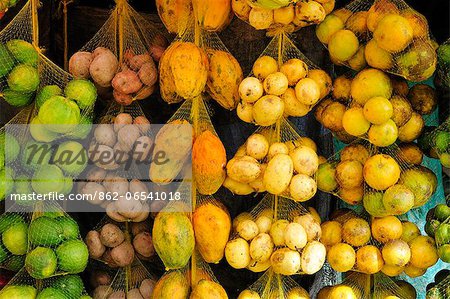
[[73, 256], [15, 238], [41, 262], [45, 231], [69, 227], [18, 292]]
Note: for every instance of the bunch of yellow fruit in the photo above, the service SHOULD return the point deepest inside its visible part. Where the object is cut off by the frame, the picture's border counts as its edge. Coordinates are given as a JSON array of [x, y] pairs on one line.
[[291, 89]]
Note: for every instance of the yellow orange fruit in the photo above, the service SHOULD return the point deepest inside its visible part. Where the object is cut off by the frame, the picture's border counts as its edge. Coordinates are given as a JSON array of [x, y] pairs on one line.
[[264, 66], [341, 257], [378, 110], [354, 121], [356, 232], [396, 253], [377, 57], [381, 171], [294, 69], [330, 25], [369, 259], [323, 80], [342, 45], [384, 134], [412, 128], [307, 91], [387, 228], [393, 33], [370, 83]]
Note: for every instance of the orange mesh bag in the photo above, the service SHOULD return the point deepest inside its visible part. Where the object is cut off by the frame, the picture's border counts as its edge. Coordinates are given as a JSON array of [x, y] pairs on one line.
[[384, 34]]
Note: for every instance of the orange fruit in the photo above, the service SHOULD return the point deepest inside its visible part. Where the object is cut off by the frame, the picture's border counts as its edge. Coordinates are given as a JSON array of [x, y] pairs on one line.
[[349, 174], [354, 121], [378, 57], [378, 110], [370, 83], [342, 45], [387, 228], [341, 257], [381, 171], [356, 232], [384, 134], [393, 33], [369, 259], [355, 152]]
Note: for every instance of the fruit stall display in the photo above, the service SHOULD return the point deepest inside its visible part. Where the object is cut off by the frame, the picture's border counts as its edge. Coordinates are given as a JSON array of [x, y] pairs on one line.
[[244, 212]]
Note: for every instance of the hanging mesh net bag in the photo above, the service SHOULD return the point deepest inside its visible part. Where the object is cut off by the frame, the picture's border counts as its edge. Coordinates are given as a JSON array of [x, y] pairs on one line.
[[286, 16], [384, 34], [120, 57], [444, 63]]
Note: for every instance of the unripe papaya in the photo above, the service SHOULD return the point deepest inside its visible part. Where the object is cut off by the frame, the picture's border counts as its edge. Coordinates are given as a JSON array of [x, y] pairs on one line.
[[212, 15], [224, 77], [209, 160]]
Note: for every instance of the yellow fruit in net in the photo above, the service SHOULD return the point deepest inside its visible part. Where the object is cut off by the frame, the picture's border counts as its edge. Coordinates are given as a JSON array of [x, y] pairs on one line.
[[381, 171], [354, 122], [357, 23], [414, 272], [341, 257], [386, 229], [412, 129], [324, 293], [356, 232], [352, 196], [285, 261], [377, 57], [417, 22], [305, 160], [277, 148], [308, 142], [260, 18], [248, 294], [343, 45], [323, 80], [237, 253], [257, 146], [384, 134], [298, 293], [284, 15], [349, 174], [241, 9], [328, 6], [330, 25], [267, 110], [331, 233], [392, 271], [341, 291], [370, 83], [423, 252], [358, 61], [310, 12], [355, 152], [315, 214], [294, 69], [341, 88], [411, 153], [393, 33], [244, 111], [302, 187], [396, 253], [398, 199], [275, 84], [410, 231], [378, 110], [307, 91], [378, 11], [326, 177], [418, 62], [402, 110], [264, 66], [251, 89], [343, 14], [369, 259], [332, 116]]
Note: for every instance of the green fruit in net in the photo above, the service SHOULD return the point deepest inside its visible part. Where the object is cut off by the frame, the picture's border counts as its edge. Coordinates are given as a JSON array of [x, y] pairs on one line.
[[444, 53], [442, 234], [69, 227], [373, 203], [431, 226], [15, 238], [45, 231], [445, 160], [6, 61], [85, 297], [18, 292], [36, 154], [81, 91], [83, 128], [52, 293], [71, 157], [46, 93], [23, 51], [326, 177], [40, 132], [9, 146], [73, 256], [434, 293], [3, 253], [23, 78], [418, 63], [444, 253], [71, 285], [48, 178], [14, 263], [17, 98], [6, 183], [422, 182], [41, 262], [441, 212], [398, 199], [53, 212], [8, 219], [61, 114], [442, 141]]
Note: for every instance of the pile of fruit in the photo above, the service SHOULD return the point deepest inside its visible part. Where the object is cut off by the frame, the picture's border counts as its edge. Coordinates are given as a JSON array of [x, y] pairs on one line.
[[387, 245], [281, 168], [373, 106], [117, 247], [126, 138], [287, 15], [14, 243], [274, 91], [289, 246], [381, 180], [19, 75], [438, 227], [134, 79], [388, 35]]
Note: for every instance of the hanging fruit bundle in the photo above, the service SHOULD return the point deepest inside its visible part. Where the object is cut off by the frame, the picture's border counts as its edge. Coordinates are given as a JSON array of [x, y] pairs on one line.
[[384, 34], [435, 141], [438, 226]]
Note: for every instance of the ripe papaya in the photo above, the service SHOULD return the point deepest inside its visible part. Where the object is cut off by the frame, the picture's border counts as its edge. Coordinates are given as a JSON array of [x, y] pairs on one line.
[[209, 160], [224, 77], [166, 82], [189, 68], [173, 238], [212, 226], [175, 14], [212, 15], [173, 285], [206, 289]]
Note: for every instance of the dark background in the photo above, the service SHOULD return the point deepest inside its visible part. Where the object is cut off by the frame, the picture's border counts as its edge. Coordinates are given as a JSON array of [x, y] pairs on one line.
[[85, 17]]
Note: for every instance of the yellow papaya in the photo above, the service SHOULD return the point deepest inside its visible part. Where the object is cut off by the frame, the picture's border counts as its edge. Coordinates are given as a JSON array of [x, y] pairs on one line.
[[212, 15], [175, 14], [173, 285], [209, 160], [200, 274], [189, 67], [206, 289], [174, 140], [166, 82], [173, 238], [224, 77], [212, 226]]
